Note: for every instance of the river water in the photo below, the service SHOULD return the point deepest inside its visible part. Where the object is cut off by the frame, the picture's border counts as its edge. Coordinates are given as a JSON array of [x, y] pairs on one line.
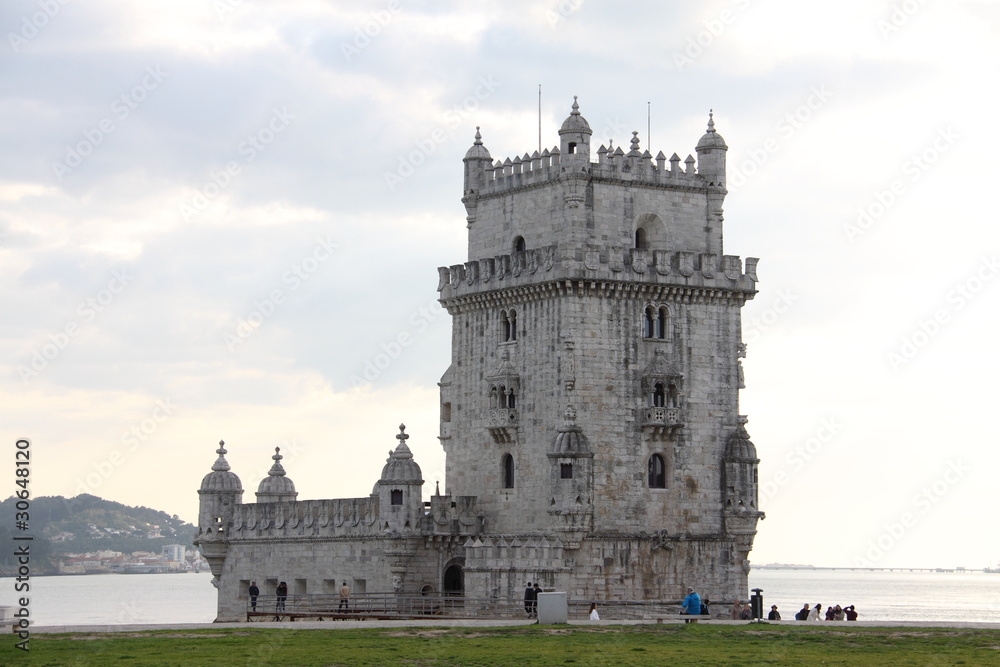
[[117, 599]]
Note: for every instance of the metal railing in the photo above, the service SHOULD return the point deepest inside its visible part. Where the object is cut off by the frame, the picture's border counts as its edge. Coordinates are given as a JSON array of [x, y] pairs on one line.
[[415, 606]]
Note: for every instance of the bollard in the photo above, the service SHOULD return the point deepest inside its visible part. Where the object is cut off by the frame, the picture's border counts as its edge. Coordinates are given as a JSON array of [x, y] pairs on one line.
[[757, 604]]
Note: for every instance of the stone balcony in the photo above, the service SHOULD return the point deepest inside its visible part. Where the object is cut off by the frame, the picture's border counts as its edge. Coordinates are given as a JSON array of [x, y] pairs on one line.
[[662, 421], [502, 424]]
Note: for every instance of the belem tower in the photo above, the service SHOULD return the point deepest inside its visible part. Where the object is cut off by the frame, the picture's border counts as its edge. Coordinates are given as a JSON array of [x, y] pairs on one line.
[[590, 414]]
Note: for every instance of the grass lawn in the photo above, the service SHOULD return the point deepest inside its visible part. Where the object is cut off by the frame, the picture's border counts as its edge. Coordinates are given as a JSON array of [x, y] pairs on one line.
[[669, 644]]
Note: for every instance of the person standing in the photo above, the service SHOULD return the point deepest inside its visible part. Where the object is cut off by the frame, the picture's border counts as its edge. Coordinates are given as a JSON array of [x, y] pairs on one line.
[[692, 604], [529, 598], [253, 591], [736, 610], [594, 616], [281, 594], [345, 597], [851, 613], [534, 600]]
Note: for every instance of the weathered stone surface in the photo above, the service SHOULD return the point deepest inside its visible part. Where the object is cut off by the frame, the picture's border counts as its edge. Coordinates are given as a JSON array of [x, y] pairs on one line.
[[589, 415]]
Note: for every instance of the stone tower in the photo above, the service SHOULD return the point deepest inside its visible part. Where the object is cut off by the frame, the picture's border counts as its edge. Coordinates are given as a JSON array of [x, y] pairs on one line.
[[589, 415], [591, 404]]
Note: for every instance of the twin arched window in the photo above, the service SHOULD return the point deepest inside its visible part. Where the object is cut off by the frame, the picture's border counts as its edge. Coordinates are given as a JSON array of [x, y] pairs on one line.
[[656, 322], [508, 326], [664, 396], [657, 472], [502, 396]]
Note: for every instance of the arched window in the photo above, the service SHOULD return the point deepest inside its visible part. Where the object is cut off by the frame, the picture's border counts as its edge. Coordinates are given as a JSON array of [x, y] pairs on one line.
[[519, 244], [649, 324], [507, 470], [673, 396], [640, 239], [657, 472], [508, 326], [510, 399], [658, 398], [661, 323]]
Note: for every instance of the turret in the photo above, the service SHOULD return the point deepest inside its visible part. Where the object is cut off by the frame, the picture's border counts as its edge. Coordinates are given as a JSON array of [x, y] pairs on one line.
[[574, 138], [712, 155], [477, 162], [398, 490], [276, 487], [740, 472], [220, 493]]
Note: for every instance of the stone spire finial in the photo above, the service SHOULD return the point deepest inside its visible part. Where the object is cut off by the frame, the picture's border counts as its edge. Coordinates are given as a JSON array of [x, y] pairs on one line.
[[277, 470], [711, 122], [479, 138], [403, 436], [576, 108], [221, 463]]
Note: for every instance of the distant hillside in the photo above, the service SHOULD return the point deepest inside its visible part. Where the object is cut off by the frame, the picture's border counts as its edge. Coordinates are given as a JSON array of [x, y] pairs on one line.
[[88, 523]]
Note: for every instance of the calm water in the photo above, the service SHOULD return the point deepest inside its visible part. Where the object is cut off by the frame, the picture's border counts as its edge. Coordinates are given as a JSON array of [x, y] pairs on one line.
[[190, 598]]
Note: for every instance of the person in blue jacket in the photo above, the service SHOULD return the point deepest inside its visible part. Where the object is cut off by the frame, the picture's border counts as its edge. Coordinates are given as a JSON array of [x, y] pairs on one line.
[[692, 603]]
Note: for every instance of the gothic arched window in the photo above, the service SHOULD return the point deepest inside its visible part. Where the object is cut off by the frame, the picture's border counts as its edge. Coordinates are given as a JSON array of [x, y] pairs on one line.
[[658, 399], [648, 324], [519, 244], [507, 470], [508, 326], [657, 472]]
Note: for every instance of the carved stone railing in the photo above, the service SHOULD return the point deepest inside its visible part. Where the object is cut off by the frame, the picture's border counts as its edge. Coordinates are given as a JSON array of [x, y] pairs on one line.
[[502, 424], [662, 420]]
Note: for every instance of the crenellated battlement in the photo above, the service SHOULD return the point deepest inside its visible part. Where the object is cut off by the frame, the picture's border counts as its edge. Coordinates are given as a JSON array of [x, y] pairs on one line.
[[661, 267], [503, 177]]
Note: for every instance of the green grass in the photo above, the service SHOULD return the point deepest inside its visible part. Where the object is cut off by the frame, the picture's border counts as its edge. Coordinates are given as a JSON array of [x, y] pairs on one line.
[[669, 644]]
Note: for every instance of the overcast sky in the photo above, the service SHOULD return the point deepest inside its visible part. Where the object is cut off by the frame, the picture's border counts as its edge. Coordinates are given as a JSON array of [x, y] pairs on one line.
[[221, 219]]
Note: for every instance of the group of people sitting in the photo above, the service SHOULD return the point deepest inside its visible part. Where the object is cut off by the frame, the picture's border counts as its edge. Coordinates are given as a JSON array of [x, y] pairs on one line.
[[836, 613]]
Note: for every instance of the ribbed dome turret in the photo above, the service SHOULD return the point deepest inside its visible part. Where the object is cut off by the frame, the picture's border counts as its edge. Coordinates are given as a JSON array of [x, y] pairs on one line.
[[569, 437], [575, 122], [739, 447], [400, 466], [276, 486], [478, 151], [711, 138], [221, 478]]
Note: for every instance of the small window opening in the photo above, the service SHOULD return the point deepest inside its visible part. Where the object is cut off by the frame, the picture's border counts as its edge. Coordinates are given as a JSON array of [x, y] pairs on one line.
[[566, 470], [640, 239], [572, 148], [397, 497], [507, 464], [519, 244], [657, 472]]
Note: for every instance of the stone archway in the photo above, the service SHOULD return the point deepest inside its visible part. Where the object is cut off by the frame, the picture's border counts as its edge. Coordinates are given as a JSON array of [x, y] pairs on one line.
[[454, 579]]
